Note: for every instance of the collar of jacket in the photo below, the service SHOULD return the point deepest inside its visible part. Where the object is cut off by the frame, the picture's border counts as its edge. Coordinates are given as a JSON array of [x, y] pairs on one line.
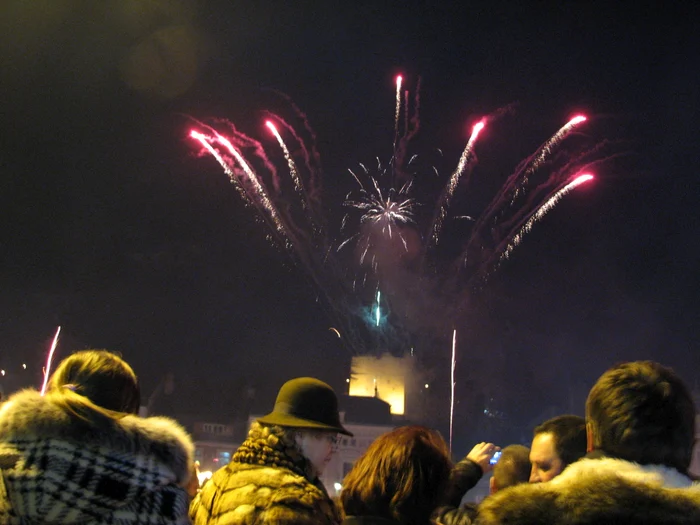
[[600, 465], [27, 415]]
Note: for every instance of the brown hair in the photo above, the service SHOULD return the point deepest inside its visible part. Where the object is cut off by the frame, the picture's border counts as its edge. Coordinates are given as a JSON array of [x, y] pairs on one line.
[[95, 385], [513, 467], [569, 433], [401, 476], [642, 412]]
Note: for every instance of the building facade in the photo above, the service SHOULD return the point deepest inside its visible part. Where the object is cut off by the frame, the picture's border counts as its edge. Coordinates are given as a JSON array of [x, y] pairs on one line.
[[214, 445], [349, 450]]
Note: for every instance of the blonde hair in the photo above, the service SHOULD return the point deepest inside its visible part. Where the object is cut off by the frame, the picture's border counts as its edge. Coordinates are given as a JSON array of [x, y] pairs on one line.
[[274, 446]]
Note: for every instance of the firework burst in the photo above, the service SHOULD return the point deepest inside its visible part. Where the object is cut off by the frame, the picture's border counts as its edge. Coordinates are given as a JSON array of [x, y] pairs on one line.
[[382, 212], [387, 242]]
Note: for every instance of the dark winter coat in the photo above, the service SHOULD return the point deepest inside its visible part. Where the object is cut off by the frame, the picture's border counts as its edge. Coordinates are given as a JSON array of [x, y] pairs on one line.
[[599, 492], [464, 476], [58, 469]]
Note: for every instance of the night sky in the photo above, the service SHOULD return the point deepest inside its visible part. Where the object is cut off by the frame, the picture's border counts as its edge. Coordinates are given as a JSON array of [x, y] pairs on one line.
[[115, 228]]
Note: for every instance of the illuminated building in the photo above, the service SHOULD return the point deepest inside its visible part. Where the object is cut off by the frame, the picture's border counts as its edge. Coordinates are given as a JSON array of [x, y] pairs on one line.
[[386, 377]]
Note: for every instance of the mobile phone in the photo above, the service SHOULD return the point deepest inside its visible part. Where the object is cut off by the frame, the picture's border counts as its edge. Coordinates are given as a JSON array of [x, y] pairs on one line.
[[495, 458]]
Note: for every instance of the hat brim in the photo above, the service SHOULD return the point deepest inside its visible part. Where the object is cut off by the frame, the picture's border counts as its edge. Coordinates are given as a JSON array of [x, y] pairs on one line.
[[287, 420]]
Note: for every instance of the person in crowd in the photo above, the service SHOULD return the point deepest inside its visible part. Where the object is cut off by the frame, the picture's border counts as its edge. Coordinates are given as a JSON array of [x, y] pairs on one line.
[[398, 480], [640, 420], [463, 477], [80, 454], [274, 475], [192, 486], [512, 468], [556, 443]]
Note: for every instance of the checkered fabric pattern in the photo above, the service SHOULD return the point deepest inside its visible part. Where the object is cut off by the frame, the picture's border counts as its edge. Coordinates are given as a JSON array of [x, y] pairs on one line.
[[56, 481], [56, 468]]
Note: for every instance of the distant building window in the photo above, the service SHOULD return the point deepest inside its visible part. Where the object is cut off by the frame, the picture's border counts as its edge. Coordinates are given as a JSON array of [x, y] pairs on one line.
[[353, 442], [198, 454], [345, 442], [224, 457], [213, 429]]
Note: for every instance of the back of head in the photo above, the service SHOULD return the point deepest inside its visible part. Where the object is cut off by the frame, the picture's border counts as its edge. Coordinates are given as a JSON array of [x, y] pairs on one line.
[[103, 378], [513, 467], [272, 446], [569, 434], [642, 412], [401, 476]]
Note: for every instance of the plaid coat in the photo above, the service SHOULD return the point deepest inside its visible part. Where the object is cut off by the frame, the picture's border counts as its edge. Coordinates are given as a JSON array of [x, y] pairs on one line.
[[59, 469]]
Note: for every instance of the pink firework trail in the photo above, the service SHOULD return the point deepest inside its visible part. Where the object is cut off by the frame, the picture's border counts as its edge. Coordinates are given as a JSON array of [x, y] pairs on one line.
[[452, 383], [257, 186], [397, 112], [452, 184], [547, 148], [49, 359], [204, 141], [294, 174], [293, 171], [553, 142], [542, 211], [515, 186], [260, 195], [519, 179]]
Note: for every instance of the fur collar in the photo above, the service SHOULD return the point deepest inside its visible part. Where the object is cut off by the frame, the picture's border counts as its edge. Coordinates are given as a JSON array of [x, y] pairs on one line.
[[28, 415], [656, 475], [599, 491]]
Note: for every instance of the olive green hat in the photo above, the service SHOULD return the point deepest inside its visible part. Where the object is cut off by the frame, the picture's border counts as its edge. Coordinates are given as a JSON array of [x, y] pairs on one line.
[[306, 402]]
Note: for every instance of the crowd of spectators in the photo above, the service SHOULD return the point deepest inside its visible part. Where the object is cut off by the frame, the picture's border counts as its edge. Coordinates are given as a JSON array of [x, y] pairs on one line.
[[79, 454]]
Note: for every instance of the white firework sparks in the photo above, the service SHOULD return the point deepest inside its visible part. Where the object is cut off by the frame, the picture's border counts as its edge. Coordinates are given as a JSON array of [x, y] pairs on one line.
[[385, 210]]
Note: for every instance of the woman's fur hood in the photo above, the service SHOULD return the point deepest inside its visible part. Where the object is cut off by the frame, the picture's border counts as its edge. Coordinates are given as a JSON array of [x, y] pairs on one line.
[[29, 415]]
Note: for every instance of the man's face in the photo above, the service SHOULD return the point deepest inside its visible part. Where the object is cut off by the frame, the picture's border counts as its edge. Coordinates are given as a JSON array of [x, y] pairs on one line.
[[546, 463]]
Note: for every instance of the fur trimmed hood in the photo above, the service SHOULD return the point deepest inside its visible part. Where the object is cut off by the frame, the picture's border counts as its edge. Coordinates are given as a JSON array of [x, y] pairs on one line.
[[29, 415], [599, 491], [58, 468]]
